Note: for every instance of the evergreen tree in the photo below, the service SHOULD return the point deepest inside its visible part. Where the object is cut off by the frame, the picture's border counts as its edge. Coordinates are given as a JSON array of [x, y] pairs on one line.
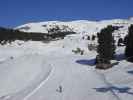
[[125, 40], [88, 37], [129, 44], [93, 37], [106, 47], [120, 42]]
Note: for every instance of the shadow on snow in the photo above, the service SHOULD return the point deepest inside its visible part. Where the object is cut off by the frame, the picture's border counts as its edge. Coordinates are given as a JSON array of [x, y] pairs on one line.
[[92, 62], [130, 72], [120, 57], [114, 89]]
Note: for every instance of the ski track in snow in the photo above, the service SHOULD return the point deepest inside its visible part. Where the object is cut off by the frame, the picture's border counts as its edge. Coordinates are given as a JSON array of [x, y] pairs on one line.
[[43, 77], [32, 88], [39, 86]]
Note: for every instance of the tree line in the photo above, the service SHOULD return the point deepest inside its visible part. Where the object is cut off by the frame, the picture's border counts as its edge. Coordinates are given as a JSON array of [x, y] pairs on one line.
[[9, 35]]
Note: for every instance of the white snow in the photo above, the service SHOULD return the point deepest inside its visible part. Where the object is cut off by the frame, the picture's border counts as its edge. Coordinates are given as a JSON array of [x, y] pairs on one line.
[[79, 26], [51, 71]]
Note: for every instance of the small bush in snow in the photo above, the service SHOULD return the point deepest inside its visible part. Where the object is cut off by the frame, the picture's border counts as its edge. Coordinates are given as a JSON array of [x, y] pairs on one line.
[[78, 51], [60, 89]]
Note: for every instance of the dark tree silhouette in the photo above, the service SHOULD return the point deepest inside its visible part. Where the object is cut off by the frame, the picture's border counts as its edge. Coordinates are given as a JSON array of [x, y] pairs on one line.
[[120, 42], [9, 35], [93, 37], [106, 47], [88, 37], [125, 39], [129, 44]]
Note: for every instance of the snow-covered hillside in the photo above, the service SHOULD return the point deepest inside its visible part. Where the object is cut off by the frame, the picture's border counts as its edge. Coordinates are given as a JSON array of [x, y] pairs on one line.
[[52, 71], [79, 26]]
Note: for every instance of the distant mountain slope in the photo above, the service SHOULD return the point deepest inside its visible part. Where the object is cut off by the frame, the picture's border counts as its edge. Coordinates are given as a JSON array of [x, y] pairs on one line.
[[79, 26]]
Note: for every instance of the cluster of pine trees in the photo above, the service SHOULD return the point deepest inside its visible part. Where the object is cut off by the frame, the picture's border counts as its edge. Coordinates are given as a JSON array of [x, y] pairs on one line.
[[106, 47], [9, 35]]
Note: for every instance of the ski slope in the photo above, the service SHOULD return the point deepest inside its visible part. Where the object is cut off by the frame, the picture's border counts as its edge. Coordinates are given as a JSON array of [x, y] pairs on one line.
[[40, 71], [51, 71]]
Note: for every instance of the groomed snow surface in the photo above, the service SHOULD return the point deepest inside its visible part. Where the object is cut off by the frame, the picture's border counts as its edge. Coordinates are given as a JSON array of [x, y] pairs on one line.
[[51, 71], [38, 71]]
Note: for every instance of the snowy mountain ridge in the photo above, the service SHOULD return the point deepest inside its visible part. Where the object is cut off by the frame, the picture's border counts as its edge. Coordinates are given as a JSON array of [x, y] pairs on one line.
[[79, 26]]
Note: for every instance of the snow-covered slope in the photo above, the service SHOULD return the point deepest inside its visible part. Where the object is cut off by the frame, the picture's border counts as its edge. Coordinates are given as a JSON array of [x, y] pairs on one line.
[[38, 71], [79, 26], [51, 71]]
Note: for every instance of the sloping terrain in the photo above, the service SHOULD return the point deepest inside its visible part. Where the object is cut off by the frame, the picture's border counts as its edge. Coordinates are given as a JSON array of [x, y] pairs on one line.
[[52, 71], [79, 26]]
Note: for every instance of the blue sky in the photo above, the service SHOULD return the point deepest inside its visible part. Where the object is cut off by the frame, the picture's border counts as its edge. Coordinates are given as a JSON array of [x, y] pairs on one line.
[[17, 12]]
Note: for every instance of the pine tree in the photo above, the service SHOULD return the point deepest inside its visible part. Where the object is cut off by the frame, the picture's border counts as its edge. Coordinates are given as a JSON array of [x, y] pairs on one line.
[[93, 37], [129, 44], [106, 47], [120, 42], [125, 40]]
